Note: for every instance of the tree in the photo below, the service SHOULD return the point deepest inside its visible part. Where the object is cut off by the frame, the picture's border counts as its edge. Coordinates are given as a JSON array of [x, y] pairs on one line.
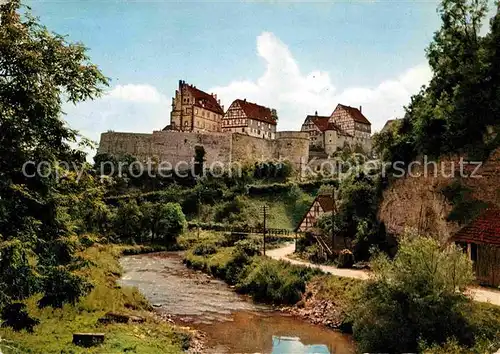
[[128, 222], [38, 71], [172, 222], [416, 297], [459, 107]]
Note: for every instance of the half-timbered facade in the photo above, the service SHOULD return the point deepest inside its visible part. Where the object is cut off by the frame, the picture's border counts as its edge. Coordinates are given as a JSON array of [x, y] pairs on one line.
[[481, 240], [352, 121], [321, 205], [194, 110], [250, 118], [315, 125]]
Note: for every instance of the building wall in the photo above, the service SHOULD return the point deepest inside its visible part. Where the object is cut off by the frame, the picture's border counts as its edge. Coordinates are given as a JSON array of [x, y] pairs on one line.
[[236, 121], [361, 133], [186, 116], [343, 119], [176, 147], [315, 135]]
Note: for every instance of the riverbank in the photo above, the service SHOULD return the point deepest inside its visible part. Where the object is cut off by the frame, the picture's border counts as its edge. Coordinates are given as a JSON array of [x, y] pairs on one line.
[[229, 322], [55, 331], [302, 291]]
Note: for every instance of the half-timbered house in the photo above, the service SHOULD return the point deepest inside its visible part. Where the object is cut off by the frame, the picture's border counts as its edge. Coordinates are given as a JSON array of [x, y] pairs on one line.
[[481, 240], [352, 121], [322, 204], [250, 118]]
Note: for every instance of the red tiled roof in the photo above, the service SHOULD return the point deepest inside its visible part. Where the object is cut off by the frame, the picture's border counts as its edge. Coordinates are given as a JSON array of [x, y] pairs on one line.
[[354, 113], [326, 202], [321, 122], [485, 229], [256, 112], [204, 100]]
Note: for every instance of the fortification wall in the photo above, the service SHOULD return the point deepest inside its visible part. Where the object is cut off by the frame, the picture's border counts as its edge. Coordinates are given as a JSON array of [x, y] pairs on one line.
[[138, 145], [292, 146], [248, 149], [176, 147]]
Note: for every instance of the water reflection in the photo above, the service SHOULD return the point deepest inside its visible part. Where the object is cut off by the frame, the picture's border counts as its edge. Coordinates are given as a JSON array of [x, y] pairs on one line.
[[282, 345]]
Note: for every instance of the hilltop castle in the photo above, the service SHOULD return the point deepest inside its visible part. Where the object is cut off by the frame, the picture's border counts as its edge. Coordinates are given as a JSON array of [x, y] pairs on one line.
[[245, 133]]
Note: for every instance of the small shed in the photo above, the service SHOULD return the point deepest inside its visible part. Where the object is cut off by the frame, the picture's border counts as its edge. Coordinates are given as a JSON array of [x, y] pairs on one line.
[[481, 240]]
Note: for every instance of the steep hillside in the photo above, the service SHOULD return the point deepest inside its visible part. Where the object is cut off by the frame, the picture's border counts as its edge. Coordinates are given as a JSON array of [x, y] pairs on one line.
[[421, 203]]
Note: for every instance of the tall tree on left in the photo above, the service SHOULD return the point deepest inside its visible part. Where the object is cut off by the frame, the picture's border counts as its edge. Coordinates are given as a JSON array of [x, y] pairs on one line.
[[39, 71]]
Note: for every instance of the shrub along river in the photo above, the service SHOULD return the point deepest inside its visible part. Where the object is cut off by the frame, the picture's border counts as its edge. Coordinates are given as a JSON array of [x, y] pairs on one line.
[[231, 322]]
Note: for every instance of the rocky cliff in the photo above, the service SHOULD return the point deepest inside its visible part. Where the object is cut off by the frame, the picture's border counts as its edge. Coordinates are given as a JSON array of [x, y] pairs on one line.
[[419, 202]]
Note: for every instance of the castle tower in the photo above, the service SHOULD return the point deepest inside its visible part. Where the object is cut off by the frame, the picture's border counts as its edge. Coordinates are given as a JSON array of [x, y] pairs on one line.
[[194, 110]]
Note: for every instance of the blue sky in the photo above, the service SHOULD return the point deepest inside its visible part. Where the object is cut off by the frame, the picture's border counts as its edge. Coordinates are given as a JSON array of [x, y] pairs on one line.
[[296, 57]]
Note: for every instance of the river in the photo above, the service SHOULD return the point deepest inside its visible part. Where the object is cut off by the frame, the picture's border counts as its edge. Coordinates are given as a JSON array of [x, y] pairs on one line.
[[232, 323]]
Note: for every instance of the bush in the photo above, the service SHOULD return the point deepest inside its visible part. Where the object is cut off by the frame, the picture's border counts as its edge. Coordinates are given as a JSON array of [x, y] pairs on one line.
[[414, 298], [18, 280], [345, 259], [204, 249], [61, 286], [128, 221], [15, 316], [277, 282], [249, 247], [171, 222]]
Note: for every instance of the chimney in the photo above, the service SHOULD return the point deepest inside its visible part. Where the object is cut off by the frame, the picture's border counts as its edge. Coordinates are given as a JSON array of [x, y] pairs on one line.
[[218, 102], [316, 113], [245, 100], [361, 109]]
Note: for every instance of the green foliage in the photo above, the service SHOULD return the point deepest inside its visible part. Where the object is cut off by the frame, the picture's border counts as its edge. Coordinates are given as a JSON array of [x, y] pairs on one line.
[[40, 211], [414, 297], [277, 282], [172, 222], [16, 316], [128, 221], [458, 111], [61, 286], [204, 249], [465, 207], [356, 217], [264, 279], [152, 336], [18, 279]]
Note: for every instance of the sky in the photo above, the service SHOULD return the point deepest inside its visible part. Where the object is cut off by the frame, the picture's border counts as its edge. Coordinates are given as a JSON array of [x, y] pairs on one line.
[[296, 57]]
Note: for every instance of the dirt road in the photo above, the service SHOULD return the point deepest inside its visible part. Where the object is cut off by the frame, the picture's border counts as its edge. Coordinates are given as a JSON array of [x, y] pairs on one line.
[[477, 293]]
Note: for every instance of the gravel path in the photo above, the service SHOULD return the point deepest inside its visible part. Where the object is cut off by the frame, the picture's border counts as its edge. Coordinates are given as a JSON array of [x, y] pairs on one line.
[[477, 293]]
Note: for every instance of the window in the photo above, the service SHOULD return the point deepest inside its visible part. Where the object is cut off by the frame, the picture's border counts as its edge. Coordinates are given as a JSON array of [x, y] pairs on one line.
[[195, 111], [242, 130]]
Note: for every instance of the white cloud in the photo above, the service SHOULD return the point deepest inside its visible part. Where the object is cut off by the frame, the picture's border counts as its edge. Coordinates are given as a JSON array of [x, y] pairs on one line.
[[136, 93], [294, 94]]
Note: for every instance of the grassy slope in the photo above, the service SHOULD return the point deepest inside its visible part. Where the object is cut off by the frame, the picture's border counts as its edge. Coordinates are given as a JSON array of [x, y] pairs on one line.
[[54, 333], [283, 213]]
